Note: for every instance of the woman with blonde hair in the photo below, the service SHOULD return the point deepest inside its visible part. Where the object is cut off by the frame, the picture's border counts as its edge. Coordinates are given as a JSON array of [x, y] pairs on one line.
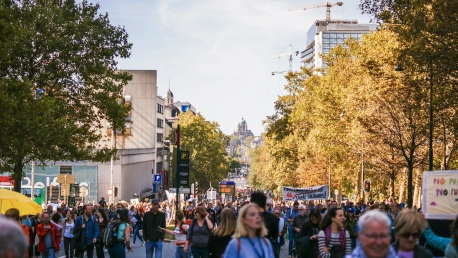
[[408, 227], [249, 240], [221, 236]]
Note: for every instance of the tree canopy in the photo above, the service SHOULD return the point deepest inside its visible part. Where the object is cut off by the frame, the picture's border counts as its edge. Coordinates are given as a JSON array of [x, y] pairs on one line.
[[206, 143], [58, 81]]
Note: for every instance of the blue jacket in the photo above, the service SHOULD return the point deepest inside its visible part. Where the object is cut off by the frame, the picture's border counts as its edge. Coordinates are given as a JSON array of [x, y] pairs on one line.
[[92, 228], [291, 214], [436, 241]]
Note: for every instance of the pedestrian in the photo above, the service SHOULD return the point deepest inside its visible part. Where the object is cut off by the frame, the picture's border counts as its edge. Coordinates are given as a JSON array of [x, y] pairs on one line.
[[199, 233], [102, 202], [308, 235], [13, 242], [138, 225], [102, 221], [350, 226], [282, 229], [152, 222], [298, 221], [181, 229], [407, 228], [270, 220], [35, 222], [67, 229], [87, 232], [220, 237], [291, 213], [14, 214], [249, 240], [333, 240], [49, 237], [374, 236], [123, 235]]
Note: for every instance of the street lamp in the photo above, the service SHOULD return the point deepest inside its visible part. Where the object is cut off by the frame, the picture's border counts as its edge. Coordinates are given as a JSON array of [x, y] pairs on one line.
[[399, 68]]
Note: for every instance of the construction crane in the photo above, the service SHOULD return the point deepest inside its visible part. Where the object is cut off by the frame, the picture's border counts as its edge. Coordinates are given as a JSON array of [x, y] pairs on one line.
[[328, 6], [290, 55]]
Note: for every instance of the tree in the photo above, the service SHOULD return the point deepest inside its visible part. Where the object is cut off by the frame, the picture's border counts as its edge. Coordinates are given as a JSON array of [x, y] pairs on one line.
[[248, 141], [209, 161], [58, 81]]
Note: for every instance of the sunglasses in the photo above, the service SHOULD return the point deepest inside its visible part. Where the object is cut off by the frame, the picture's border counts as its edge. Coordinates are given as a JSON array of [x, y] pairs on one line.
[[408, 235]]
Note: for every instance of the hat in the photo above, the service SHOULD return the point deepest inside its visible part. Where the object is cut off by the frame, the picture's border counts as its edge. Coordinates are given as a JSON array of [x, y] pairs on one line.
[[154, 201]]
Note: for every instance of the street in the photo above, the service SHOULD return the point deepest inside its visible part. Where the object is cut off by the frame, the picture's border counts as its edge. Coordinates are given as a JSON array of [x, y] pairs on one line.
[[168, 251]]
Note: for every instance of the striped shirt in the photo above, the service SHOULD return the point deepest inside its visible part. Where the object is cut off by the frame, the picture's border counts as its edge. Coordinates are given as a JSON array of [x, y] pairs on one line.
[[334, 241]]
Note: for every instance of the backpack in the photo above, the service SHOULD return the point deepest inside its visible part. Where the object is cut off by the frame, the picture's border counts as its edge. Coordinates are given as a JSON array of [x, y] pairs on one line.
[[110, 234]]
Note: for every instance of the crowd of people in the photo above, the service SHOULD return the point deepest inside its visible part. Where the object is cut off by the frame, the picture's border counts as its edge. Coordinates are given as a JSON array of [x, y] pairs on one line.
[[254, 228]]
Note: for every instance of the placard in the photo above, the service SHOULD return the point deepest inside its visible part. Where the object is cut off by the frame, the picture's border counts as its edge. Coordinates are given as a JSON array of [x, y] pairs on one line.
[[319, 192], [440, 194]]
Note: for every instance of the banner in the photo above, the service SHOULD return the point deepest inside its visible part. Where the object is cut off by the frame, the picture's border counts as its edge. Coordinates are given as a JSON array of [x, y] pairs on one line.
[[440, 194], [320, 192]]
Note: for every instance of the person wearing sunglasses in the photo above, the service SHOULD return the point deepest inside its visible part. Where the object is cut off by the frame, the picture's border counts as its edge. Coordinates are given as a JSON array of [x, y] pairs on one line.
[[407, 228]]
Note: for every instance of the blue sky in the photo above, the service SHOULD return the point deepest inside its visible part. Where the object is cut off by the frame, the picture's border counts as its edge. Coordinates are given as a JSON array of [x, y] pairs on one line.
[[218, 54]]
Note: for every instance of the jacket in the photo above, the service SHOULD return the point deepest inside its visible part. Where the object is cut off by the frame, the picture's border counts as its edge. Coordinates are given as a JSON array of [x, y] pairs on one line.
[[92, 228], [55, 237], [418, 251], [150, 223], [436, 241]]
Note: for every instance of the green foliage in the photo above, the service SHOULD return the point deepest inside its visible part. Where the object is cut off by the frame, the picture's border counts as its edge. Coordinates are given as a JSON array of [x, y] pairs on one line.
[[209, 162], [68, 51]]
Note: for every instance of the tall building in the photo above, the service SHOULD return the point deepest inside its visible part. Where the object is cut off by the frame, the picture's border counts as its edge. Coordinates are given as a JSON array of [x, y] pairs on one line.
[[323, 36]]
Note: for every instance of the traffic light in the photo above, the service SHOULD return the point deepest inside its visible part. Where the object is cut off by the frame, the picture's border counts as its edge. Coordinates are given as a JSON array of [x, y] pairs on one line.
[[367, 185], [115, 191], [196, 185]]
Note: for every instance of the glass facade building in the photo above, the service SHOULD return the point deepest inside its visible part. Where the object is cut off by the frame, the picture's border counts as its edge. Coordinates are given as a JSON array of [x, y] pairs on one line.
[[323, 36]]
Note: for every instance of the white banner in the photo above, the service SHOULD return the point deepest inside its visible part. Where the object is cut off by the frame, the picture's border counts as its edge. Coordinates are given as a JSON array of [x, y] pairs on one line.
[[320, 192], [440, 194]]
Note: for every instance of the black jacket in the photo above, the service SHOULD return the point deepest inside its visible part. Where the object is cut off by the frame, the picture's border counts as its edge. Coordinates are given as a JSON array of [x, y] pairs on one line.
[[418, 251], [150, 223], [217, 245], [271, 222]]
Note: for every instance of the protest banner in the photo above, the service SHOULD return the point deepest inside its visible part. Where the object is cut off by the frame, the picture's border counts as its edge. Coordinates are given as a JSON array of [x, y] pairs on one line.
[[319, 192], [440, 194]]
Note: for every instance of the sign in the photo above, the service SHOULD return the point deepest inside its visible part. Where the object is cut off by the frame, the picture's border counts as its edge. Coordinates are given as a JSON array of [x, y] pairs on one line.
[[177, 137], [440, 194], [157, 178], [65, 179], [183, 168], [228, 189], [319, 192], [83, 191], [109, 191], [182, 190]]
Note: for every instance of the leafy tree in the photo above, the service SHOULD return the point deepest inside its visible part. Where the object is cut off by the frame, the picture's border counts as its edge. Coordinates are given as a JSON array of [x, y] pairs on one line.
[[248, 141], [209, 162], [58, 81]]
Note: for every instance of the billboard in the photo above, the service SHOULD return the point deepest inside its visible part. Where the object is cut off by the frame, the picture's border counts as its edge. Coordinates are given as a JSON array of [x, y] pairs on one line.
[[319, 192], [440, 194]]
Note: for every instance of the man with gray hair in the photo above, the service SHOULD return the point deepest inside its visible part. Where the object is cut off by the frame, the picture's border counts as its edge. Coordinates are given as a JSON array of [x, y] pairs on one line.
[[374, 236], [13, 242]]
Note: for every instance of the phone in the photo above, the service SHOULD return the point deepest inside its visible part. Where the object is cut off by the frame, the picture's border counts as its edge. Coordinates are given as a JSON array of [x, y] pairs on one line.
[[159, 228]]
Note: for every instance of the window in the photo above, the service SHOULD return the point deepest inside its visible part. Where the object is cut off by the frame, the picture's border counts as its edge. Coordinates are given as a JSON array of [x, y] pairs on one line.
[[159, 151], [160, 123], [160, 137], [160, 109]]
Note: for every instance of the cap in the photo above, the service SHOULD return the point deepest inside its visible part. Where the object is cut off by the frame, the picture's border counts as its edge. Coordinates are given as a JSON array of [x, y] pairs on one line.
[[154, 201]]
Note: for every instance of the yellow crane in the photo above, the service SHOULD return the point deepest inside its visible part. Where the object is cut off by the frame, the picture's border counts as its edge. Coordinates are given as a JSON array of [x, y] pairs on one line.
[[328, 6]]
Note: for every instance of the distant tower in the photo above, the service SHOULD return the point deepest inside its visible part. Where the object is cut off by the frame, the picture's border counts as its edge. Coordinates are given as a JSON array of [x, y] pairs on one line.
[[169, 98]]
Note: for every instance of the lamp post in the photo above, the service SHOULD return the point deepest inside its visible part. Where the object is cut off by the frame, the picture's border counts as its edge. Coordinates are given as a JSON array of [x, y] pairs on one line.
[[399, 68]]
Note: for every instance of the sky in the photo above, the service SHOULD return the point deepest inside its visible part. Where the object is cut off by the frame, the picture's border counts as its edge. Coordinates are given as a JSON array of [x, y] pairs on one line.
[[218, 55]]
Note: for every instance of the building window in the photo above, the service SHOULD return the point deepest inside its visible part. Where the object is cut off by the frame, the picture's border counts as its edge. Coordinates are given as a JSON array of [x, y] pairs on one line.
[[160, 109], [159, 152], [160, 123], [160, 137]]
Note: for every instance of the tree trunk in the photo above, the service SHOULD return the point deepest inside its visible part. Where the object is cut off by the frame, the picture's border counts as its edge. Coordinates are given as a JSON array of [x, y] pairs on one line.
[[392, 179], [17, 175], [402, 188], [415, 190]]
